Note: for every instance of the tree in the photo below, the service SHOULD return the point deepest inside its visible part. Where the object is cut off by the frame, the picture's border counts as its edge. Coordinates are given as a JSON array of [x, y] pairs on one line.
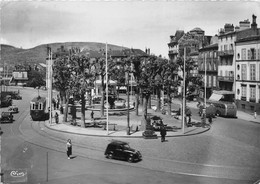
[[83, 78], [62, 80], [148, 68], [35, 79], [100, 70]]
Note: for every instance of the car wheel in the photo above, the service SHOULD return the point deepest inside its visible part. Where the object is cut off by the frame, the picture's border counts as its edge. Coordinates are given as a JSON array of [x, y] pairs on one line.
[[109, 155], [130, 159], [217, 113]]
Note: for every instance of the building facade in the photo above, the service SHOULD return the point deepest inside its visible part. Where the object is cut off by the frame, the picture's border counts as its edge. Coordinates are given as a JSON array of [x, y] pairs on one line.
[[208, 64], [248, 69], [226, 66], [174, 46]]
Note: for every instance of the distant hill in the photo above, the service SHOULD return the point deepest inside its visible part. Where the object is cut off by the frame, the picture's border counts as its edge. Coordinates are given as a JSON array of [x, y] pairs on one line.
[[11, 55]]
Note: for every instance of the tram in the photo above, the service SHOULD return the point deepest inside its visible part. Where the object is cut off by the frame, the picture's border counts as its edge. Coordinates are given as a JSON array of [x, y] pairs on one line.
[[38, 108]]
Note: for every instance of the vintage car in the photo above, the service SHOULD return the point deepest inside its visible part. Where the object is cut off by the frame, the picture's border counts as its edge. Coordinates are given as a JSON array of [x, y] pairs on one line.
[[6, 117], [13, 109], [122, 151], [17, 97], [210, 110]]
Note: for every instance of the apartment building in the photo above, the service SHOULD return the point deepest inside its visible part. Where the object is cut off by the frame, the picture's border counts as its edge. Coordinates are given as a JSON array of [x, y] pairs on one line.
[[248, 68], [174, 45], [208, 64], [226, 66]]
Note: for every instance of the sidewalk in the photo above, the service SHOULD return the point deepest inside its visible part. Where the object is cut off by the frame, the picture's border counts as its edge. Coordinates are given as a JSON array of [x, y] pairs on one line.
[[121, 122]]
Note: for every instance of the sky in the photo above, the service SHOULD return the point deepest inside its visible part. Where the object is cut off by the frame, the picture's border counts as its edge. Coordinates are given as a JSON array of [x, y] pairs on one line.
[[133, 24]]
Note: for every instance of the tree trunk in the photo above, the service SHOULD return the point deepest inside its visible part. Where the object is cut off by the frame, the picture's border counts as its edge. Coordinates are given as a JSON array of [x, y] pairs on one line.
[[66, 108], [136, 103], [83, 100], [150, 102], [144, 119], [169, 103], [102, 98], [158, 107]]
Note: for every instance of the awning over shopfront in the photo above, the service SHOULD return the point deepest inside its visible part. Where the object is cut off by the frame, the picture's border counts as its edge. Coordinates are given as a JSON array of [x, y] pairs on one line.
[[215, 97]]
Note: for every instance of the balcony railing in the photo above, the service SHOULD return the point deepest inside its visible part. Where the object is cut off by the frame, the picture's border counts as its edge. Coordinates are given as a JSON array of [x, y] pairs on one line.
[[173, 52], [243, 98], [252, 100], [226, 78], [226, 53]]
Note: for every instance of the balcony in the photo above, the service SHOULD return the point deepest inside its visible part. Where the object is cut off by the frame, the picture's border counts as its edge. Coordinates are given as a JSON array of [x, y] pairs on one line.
[[252, 99], [226, 53], [243, 98], [226, 78], [173, 52]]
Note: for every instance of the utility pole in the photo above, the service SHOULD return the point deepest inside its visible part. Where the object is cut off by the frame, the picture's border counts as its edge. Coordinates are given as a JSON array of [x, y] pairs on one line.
[[128, 119], [49, 70], [107, 90], [184, 95]]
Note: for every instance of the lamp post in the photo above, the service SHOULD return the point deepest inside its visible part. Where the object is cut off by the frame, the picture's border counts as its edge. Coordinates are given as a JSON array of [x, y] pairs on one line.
[[107, 90], [184, 95], [128, 106]]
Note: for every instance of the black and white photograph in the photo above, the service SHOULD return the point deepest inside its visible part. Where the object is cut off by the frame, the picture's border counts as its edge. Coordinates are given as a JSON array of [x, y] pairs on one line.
[[130, 92]]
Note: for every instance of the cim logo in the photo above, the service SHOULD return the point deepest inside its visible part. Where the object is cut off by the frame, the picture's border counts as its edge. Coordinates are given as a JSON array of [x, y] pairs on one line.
[[15, 175]]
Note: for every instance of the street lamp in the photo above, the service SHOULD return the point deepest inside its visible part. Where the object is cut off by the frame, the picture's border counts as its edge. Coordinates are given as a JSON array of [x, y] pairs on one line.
[[128, 106]]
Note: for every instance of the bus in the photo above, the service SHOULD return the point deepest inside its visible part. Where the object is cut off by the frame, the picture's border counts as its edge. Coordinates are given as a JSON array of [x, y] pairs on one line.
[[224, 103]]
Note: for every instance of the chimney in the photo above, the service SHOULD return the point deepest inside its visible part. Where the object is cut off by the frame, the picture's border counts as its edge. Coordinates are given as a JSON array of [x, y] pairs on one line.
[[254, 24]]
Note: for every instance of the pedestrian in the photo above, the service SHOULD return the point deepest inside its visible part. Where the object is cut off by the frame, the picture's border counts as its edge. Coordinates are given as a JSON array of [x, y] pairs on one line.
[[163, 133], [210, 119], [255, 114], [56, 118], [92, 116], [69, 148]]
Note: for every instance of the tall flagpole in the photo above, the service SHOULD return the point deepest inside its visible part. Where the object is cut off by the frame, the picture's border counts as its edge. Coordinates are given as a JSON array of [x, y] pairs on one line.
[[107, 90], [50, 87], [184, 96], [205, 85]]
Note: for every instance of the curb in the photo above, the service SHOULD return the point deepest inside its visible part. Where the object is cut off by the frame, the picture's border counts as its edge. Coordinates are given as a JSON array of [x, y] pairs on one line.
[[126, 136]]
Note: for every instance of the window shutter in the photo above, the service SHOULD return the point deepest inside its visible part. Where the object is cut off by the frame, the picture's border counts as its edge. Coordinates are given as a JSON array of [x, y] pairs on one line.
[[249, 55]]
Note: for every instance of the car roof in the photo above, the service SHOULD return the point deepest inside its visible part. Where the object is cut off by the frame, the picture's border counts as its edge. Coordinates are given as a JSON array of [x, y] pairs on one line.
[[118, 142]]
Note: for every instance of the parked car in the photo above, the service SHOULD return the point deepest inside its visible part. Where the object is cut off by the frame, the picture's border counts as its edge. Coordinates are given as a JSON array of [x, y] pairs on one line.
[[13, 109], [121, 150], [17, 97], [210, 110], [6, 117]]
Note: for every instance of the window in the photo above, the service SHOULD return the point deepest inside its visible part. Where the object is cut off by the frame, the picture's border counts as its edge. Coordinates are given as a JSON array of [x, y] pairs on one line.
[[238, 91], [36, 106], [243, 71], [252, 72], [252, 91], [220, 73], [40, 108], [243, 91], [238, 56], [214, 81], [253, 52], [209, 81], [243, 54], [225, 47], [259, 75], [231, 46]]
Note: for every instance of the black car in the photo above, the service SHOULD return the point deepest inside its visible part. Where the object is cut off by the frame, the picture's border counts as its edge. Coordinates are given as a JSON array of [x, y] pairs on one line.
[[6, 117], [122, 151]]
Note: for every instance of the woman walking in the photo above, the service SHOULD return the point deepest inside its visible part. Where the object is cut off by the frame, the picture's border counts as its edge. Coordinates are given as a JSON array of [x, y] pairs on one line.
[[69, 148]]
